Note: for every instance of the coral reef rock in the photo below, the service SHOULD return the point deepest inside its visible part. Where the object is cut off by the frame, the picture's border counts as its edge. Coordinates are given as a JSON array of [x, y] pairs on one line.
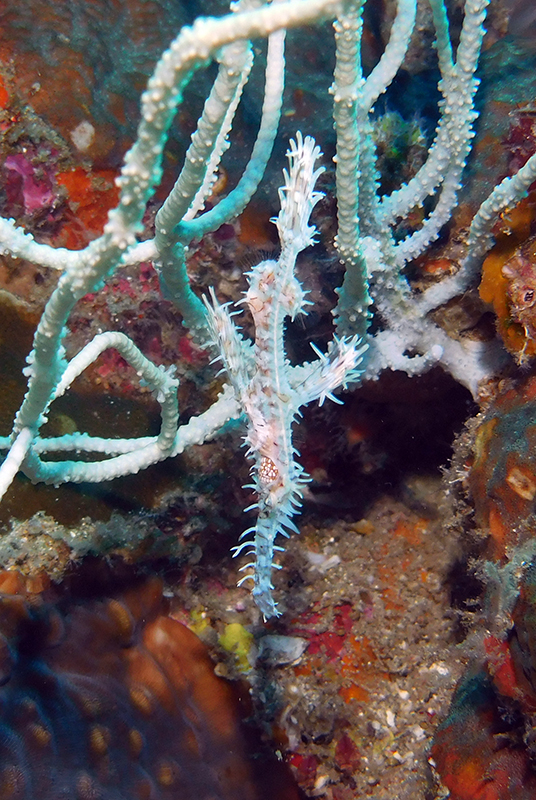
[[109, 698]]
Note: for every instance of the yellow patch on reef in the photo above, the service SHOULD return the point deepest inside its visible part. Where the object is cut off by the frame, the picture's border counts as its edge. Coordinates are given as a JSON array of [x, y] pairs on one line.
[[237, 640], [483, 436], [512, 232], [198, 621], [493, 290], [492, 287]]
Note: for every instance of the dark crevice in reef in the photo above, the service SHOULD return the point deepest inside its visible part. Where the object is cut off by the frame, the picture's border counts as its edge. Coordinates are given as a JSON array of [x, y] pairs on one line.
[[386, 433]]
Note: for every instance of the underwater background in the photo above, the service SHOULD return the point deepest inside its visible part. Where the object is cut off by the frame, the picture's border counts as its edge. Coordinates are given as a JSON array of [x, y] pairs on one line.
[[131, 666]]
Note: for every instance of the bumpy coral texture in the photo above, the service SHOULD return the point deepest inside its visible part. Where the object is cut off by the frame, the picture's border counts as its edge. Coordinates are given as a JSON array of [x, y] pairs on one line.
[[485, 748], [111, 699], [502, 480]]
